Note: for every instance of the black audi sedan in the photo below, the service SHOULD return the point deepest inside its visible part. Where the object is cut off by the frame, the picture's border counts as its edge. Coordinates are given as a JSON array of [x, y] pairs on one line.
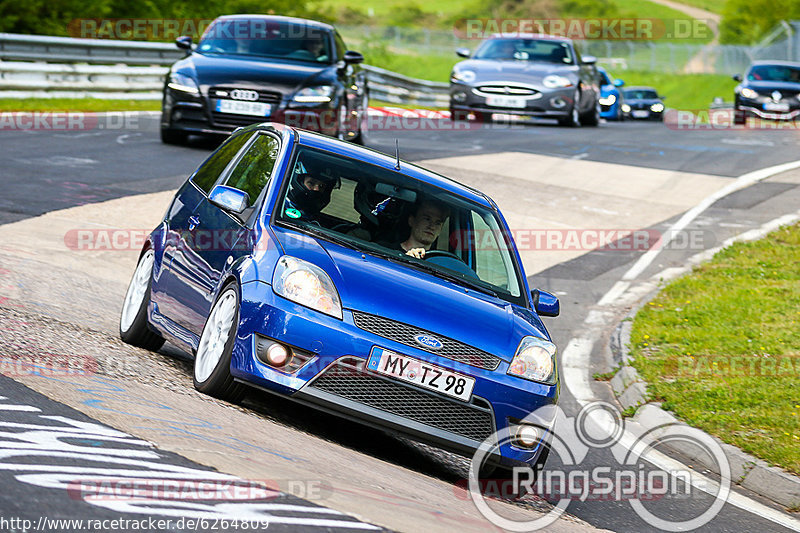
[[770, 90], [534, 76], [251, 68], [643, 103]]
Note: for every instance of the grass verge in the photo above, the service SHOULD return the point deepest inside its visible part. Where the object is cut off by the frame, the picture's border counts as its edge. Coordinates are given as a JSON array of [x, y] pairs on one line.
[[721, 347], [77, 104]]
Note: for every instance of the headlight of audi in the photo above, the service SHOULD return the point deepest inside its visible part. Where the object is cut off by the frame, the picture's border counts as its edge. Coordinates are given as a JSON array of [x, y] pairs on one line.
[[314, 95], [747, 92], [183, 83], [555, 82], [462, 76], [535, 360], [657, 107], [306, 284]]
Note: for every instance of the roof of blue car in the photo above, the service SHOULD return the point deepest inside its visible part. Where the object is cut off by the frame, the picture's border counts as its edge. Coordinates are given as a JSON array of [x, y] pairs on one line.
[[380, 159]]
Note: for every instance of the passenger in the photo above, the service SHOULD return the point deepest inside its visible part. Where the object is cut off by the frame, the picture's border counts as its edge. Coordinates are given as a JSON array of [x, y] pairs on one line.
[[309, 195]]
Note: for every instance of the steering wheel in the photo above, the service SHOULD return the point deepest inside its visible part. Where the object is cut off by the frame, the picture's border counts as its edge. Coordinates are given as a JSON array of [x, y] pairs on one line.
[[433, 254]]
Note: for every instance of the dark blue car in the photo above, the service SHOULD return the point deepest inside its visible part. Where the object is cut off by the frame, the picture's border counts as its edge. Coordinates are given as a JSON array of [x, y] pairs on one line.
[[349, 280]]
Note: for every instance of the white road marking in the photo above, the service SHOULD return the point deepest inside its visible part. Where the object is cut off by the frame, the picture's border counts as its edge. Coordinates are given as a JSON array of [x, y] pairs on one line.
[[577, 354]]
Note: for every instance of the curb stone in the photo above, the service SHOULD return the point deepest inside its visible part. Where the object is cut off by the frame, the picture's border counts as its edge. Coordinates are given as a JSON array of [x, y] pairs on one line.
[[746, 470]]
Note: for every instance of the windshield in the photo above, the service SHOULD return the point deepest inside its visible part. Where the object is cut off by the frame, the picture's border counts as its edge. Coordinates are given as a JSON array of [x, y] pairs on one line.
[[604, 79], [641, 94], [262, 38], [526, 50], [774, 73], [385, 213]]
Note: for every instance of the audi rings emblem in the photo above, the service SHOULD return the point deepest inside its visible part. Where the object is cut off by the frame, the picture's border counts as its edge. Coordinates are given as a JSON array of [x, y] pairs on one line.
[[242, 94]]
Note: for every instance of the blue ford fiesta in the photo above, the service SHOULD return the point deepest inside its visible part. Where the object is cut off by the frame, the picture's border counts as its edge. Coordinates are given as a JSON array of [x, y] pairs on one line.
[[352, 281]]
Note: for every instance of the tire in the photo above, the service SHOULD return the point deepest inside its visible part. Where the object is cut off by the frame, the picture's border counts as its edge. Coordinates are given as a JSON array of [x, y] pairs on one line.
[[341, 117], [170, 136], [573, 120], [133, 328], [592, 118], [739, 117], [212, 362], [361, 136]]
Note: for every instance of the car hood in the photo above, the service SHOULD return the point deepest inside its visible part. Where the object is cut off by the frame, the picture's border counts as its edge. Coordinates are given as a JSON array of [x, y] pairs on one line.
[[284, 76], [766, 86], [377, 286], [519, 71]]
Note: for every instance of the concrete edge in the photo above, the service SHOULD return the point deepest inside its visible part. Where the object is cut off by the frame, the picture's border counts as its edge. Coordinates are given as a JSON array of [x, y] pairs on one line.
[[630, 390]]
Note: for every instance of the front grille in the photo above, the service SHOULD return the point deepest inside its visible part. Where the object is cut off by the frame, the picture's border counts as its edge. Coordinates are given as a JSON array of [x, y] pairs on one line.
[[348, 379], [507, 90], [404, 334], [227, 119], [268, 97]]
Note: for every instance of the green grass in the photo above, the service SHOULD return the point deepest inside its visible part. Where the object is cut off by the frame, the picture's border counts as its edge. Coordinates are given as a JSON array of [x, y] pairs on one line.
[[77, 104], [684, 91], [721, 347], [644, 9], [441, 8]]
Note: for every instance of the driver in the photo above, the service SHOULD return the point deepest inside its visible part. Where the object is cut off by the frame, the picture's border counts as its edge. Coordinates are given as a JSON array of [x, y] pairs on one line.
[[426, 221], [309, 194]]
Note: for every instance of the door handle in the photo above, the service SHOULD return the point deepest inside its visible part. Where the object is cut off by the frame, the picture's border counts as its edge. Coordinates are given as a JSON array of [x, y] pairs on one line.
[[194, 221]]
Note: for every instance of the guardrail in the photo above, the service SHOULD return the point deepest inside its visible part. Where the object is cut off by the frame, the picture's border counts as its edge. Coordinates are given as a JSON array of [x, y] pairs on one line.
[[63, 67]]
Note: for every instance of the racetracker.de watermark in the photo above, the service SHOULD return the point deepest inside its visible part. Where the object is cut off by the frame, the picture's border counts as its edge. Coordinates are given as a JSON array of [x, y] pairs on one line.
[[142, 29], [725, 120], [607, 29], [73, 121], [527, 240]]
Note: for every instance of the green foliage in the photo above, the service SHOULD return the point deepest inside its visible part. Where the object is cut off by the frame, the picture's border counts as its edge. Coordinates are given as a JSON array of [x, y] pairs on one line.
[[746, 21]]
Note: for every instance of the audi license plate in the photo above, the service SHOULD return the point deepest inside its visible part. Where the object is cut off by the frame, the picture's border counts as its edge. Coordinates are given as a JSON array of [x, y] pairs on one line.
[[237, 107], [419, 373], [505, 101]]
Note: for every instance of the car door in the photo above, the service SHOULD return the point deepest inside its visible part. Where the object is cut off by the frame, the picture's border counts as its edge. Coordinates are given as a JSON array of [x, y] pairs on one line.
[[181, 224], [220, 237]]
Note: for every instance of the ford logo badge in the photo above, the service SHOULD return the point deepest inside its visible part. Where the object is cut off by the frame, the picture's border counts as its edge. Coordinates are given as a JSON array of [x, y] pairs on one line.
[[428, 341]]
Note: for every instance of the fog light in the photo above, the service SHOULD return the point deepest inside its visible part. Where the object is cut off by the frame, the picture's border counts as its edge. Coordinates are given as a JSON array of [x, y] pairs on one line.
[[459, 97], [277, 354], [527, 436], [558, 102]]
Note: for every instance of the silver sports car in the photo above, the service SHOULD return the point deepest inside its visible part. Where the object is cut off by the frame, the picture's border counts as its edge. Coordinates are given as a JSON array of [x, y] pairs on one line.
[[535, 76]]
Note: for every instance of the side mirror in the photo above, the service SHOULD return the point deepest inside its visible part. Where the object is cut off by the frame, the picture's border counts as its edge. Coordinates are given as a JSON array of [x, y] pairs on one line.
[[229, 199], [589, 60], [737, 77], [662, 97], [351, 57], [463, 52], [544, 303], [184, 42], [618, 83]]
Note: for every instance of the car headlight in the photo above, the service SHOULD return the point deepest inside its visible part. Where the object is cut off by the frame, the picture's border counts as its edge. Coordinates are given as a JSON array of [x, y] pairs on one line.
[[747, 92], [315, 95], [626, 108], [608, 100], [183, 83], [462, 76], [306, 284], [555, 81], [535, 360], [657, 107]]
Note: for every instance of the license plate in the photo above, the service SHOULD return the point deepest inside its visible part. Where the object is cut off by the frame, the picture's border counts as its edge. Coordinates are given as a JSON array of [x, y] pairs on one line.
[[640, 114], [419, 373], [772, 106], [505, 101], [237, 107]]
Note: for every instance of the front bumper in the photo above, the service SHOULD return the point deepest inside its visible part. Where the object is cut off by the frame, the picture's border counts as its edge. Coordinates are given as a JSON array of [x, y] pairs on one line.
[[334, 380], [758, 110], [545, 103], [198, 115]]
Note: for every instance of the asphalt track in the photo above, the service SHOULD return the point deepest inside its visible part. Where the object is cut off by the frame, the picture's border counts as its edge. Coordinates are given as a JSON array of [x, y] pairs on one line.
[[46, 171]]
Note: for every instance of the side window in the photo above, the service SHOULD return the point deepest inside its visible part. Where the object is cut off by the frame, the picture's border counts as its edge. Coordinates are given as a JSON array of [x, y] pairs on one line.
[[340, 47], [208, 174], [254, 169]]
